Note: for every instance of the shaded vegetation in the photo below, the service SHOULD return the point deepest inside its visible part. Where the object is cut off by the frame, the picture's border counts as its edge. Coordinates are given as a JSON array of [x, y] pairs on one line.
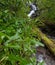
[[17, 41]]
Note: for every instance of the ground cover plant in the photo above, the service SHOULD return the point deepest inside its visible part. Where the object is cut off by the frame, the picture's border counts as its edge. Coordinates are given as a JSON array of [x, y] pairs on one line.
[[17, 44]]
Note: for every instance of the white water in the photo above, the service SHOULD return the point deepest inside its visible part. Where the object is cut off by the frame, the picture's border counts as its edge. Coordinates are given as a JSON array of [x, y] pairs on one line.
[[31, 12], [33, 9]]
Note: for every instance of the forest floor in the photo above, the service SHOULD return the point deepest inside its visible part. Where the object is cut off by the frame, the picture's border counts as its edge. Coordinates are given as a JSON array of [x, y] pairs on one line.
[[43, 52], [48, 58]]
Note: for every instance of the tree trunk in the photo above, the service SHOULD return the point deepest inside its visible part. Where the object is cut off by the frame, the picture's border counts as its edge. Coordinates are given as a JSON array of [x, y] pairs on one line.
[[48, 42]]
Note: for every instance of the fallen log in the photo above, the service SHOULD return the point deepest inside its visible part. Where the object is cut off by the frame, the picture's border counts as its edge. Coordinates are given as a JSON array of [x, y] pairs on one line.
[[48, 42]]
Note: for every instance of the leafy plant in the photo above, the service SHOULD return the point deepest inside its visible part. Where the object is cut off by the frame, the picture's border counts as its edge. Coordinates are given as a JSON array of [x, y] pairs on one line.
[[17, 44], [47, 10]]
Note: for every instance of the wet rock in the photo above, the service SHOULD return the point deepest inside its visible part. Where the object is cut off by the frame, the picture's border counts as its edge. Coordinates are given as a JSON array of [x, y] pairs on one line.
[[44, 55]]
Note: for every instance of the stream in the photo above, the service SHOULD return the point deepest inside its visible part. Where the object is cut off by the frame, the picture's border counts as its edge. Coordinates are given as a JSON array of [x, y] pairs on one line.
[[43, 54]]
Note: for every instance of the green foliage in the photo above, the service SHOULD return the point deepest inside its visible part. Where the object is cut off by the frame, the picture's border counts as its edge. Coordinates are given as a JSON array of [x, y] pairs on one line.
[[48, 10], [17, 44]]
